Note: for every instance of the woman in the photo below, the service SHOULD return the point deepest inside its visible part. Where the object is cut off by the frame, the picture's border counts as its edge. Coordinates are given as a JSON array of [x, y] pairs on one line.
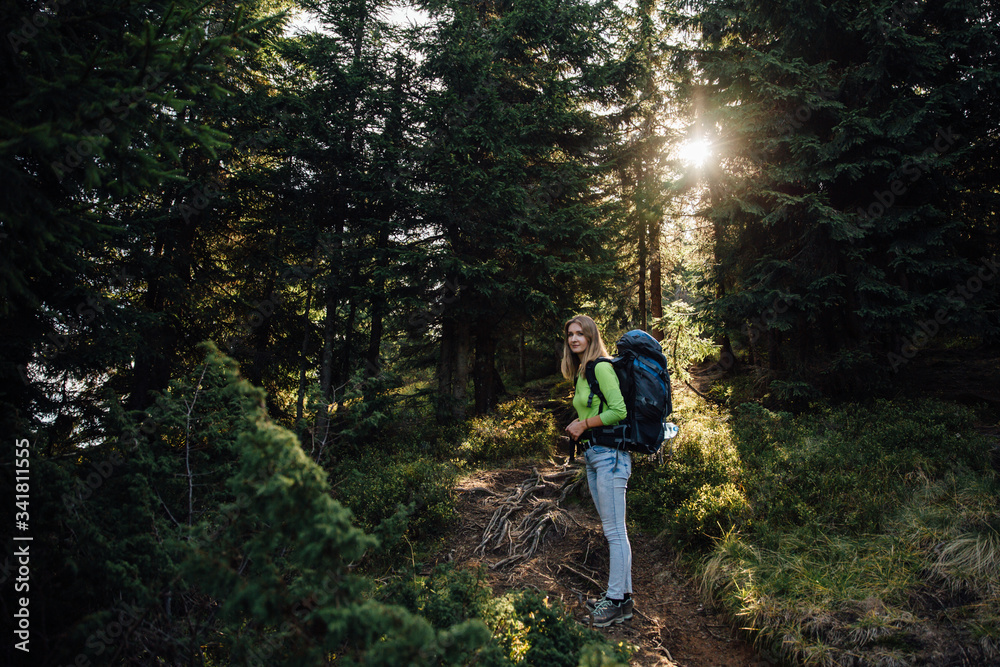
[[608, 469]]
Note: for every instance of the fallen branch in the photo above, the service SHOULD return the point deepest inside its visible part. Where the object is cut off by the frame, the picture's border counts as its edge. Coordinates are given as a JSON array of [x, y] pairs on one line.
[[561, 566]]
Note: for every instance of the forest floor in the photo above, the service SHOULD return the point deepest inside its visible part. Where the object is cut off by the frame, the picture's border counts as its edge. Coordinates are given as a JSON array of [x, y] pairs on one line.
[[672, 625]]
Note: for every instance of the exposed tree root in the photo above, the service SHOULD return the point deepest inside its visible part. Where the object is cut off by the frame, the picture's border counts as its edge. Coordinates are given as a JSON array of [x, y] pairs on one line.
[[524, 519], [505, 511]]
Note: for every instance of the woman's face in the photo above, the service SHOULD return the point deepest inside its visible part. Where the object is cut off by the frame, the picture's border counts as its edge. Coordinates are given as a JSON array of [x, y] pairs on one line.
[[575, 339]]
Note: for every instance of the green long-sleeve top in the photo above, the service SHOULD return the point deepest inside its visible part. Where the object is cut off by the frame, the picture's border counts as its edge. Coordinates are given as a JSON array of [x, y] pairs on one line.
[[607, 380]]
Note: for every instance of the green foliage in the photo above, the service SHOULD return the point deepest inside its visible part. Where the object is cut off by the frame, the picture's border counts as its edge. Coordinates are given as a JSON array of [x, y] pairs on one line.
[[376, 486], [534, 630], [710, 513], [697, 478], [516, 430], [817, 594], [528, 629], [176, 172], [449, 595], [280, 568], [408, 424], [956, 525], [510, 180], [841, 469], [399, 485], [858, 595], [852, 526], [844, 232], [129, 506], [214, 533], [685, 343], [112, 80]]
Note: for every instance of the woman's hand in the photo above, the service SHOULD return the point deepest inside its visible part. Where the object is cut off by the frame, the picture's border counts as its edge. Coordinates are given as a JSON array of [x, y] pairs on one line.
[[576, 429]]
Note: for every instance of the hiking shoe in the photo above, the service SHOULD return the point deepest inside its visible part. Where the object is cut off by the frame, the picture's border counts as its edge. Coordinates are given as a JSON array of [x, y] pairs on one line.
[[627, 606], [607, 612]]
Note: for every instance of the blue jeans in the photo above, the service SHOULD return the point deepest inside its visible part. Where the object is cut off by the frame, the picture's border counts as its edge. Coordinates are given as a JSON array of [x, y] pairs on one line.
[[608, 471]]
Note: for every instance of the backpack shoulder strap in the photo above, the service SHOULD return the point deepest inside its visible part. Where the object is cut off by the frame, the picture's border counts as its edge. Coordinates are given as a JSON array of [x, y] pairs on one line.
[[595, 388]]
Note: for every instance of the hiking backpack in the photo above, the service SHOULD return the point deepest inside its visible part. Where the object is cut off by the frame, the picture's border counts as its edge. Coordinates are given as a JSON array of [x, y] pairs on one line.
[[645, 384]]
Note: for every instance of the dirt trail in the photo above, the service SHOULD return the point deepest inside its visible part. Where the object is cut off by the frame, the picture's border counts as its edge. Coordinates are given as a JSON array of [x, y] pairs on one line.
[[670, 625]]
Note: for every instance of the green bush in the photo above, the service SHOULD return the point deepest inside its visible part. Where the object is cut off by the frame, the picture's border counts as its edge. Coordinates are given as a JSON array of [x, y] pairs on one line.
[[711, 513], [535, 631], [400, 485], [448, 596], [528, 628], [703, 456], [375, 487], [413, 428], [515, 431]]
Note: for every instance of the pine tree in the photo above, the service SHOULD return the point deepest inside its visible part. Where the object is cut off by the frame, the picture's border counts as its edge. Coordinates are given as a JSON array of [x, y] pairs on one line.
[[508, 166], [641, 164], [97, 111], [207, 534], [840, 219], [347, 89]]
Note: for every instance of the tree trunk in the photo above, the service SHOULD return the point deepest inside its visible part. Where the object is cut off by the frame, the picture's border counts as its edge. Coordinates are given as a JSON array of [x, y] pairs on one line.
[[145, 372], [641, 282], [329, 333], [152, 366], [260, 356], [446, 370], [655, 277], [304, 353], [727, 358], [460, 386], [377, 313], [352, 314], [453, 369], [774, 350], [486, 378], [521, 371]]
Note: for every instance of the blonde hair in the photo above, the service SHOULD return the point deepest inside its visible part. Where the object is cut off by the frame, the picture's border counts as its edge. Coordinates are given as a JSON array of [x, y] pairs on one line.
[[571, 364]]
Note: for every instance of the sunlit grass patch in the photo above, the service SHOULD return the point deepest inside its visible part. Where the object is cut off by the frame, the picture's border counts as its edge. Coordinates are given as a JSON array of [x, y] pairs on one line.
[[864, 534], [956, 521], [694, 495]]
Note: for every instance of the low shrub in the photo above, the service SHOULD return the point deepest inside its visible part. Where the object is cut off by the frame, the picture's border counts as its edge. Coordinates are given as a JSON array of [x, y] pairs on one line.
[[375, 487], [712, 512], [528, 628], [669, 497], [534, 630], [516, 430], [449, 595]]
